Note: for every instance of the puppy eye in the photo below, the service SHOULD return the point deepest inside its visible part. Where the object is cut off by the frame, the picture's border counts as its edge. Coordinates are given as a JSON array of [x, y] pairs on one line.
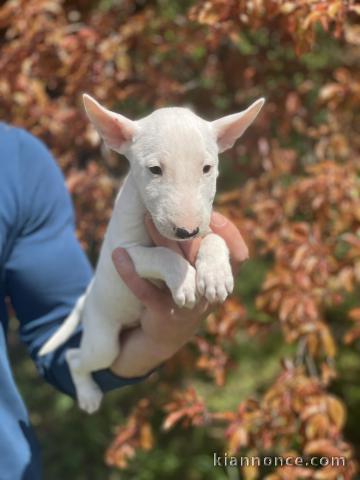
[[155, 170], [206, 168]]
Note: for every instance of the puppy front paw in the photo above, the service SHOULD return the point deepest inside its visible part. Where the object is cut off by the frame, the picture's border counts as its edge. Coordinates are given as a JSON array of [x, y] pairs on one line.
[[214, 280], [183, 287]]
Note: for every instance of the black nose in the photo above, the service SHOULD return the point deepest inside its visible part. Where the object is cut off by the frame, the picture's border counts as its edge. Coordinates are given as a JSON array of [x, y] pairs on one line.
[[183, 233]]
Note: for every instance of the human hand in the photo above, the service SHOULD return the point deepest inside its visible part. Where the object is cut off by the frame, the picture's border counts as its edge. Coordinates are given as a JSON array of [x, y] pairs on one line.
[[164, 327]]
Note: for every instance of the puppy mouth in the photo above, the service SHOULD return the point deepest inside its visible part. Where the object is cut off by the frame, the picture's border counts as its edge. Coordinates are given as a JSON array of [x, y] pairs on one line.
[[183, 240], [174, 238]]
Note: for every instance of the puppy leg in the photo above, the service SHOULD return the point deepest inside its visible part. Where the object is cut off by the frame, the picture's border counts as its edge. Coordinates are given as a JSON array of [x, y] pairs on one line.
[[214, 276], [95, 353], [163, 264], [88, 393]]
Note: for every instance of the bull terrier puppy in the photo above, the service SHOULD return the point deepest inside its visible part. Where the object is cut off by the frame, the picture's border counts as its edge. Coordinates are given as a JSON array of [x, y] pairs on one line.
[[173, 156]]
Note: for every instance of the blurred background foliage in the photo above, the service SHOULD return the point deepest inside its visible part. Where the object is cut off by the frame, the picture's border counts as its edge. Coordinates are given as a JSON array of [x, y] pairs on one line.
[[275, 371]]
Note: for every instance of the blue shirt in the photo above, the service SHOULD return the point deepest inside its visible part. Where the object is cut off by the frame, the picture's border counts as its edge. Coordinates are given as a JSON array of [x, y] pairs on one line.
[[43, 271]]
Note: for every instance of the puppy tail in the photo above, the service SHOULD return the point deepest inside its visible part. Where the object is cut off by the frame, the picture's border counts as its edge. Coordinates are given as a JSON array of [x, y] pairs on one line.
[[65, 330]]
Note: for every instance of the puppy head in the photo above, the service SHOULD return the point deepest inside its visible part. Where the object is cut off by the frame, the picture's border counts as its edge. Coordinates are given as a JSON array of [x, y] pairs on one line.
[[173, 157]]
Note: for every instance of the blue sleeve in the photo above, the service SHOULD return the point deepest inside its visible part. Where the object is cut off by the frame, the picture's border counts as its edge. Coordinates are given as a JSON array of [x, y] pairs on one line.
[[47, 270]]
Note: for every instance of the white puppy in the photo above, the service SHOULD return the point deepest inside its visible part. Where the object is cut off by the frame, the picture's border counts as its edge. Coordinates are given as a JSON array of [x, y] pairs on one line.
[[173, 157]]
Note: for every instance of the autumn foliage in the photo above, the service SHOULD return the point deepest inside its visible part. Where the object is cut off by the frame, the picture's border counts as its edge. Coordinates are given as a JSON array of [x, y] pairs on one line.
[[293, 190]]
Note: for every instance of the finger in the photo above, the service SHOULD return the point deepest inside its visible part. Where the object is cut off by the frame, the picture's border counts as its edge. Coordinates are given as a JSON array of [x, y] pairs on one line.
[[190, 249], [222, 226], [147, 293], [158, 239], [203, 307]]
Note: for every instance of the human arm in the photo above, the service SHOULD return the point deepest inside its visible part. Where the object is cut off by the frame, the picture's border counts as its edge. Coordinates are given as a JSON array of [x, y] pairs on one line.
[[46, 270]]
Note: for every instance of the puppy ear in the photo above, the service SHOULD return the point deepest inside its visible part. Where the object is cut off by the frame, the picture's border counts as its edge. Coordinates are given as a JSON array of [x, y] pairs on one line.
[[117, 131], [228, 129]]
